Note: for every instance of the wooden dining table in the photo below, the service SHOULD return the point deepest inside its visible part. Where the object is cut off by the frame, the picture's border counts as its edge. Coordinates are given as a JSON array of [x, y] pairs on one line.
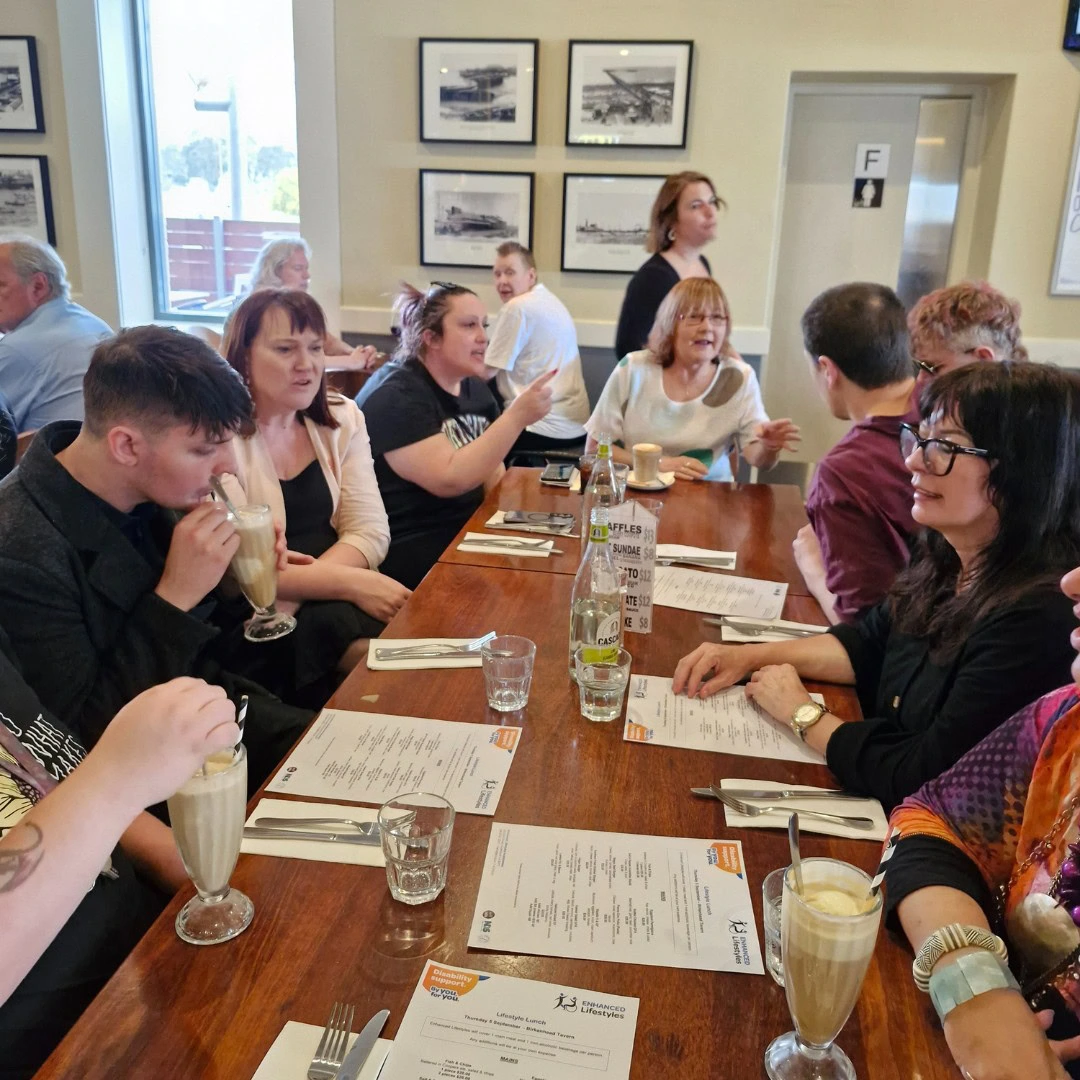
[[325, 932]]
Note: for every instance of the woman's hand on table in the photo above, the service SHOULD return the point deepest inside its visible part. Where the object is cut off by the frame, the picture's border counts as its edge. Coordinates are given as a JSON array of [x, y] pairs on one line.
[[996, 1036], [380, 596], [778, 689], [727, 664], [684, 468]]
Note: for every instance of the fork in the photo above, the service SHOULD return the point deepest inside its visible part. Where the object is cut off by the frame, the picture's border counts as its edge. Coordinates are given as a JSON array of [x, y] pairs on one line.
[[330, 1052], [756, 811], [437, 649]]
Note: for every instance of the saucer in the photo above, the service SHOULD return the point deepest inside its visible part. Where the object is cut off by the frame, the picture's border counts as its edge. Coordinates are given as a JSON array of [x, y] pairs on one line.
[[663, 480]]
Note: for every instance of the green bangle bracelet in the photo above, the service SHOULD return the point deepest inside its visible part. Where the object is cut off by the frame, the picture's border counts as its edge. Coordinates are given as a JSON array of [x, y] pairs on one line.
[[967, 977]]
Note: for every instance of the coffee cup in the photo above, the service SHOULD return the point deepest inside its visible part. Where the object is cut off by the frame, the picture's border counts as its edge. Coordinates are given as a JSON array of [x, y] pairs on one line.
[[646, 462]]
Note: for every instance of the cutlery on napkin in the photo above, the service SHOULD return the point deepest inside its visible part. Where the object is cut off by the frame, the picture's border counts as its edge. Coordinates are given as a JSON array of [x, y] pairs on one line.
[[358, 854], [484, 544], [844, 806], [291, 1052], [697, 556], [748, 629], [410, 663]]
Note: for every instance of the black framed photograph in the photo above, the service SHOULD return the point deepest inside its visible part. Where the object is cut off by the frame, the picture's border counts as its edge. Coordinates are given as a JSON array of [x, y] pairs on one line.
[[1072, 27], [606, 221], [465, 216], [25, 198], [20, 85], [628, 93], [478, 90]]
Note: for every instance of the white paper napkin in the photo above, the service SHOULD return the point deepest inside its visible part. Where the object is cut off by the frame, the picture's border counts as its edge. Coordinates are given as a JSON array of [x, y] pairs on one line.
[[870, 808], [575, 481], [531, 550], [686, 551], [290, 1056], [316, 850], [407, 664], [729, 633], [498, 521]]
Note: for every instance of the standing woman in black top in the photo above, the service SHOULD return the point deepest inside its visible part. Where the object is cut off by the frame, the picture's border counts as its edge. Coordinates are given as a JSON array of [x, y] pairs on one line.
[[681, 223], [975, 628]]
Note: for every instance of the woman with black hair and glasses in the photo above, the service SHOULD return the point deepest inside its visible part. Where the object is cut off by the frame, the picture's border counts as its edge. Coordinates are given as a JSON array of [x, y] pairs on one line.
[[436, 434], [975, 627]]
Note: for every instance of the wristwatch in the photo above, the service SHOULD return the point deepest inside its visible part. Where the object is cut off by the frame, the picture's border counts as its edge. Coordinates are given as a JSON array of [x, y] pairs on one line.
[[805, 717]]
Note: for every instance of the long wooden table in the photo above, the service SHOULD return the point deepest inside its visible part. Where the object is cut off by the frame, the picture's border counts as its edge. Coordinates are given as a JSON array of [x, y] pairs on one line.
[[756, 521], [324, 932]]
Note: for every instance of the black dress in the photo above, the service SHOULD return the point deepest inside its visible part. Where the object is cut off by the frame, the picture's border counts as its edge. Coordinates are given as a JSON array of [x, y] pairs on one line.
[[308, 657], [645, 292]]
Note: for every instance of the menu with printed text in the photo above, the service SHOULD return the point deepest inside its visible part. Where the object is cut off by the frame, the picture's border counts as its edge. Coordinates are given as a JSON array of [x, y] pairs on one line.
[[371, 757], [660, 900]]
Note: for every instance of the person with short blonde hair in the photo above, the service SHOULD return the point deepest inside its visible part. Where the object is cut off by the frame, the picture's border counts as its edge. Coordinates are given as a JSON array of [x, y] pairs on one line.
[[961, 324], [690, 392], [535, 333], [682, 221], [284, 262]]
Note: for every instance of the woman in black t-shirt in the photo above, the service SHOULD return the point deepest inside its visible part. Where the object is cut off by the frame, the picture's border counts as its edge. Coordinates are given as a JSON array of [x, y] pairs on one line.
[[681, 223], [436, 434]]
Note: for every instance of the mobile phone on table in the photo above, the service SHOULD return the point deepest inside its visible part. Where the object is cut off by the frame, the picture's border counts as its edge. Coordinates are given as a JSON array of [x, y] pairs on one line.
[[537, 517], [556, 473]]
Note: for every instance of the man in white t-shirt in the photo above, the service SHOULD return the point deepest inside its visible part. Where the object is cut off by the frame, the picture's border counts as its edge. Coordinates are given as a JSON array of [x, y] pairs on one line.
[[535, 333]]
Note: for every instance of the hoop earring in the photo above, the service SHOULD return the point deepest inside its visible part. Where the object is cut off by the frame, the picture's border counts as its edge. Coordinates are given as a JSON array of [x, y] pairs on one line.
[[671, 236]]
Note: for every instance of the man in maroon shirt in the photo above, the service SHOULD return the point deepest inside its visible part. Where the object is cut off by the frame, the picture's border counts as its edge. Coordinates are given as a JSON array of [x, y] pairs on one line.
[[859, 503]]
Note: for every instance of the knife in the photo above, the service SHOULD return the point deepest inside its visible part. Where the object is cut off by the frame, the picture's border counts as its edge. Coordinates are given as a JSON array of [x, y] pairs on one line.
[[355, 1058], [781, 793], [255, 832]]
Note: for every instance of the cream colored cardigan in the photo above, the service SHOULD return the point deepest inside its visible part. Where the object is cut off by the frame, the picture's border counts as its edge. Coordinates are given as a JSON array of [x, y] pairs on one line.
[[344, 454]]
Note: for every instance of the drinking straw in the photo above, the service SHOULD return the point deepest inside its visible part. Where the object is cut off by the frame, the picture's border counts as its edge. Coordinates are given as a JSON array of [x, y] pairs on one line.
[[796, 858], [241, 716], [219, 491], [886, 855]]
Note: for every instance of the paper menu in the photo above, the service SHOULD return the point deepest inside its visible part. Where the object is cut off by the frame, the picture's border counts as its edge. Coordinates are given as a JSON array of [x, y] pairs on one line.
[[718, 594], [658, 900], [372, 757], [632, 536], [726, 723], [465, 1025]]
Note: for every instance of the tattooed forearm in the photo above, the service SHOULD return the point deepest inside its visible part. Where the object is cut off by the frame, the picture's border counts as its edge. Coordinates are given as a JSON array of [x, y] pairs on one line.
[[20, 856]]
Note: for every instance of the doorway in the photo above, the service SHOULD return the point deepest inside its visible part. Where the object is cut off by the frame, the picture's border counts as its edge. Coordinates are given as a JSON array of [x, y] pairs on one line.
[[845, 217]]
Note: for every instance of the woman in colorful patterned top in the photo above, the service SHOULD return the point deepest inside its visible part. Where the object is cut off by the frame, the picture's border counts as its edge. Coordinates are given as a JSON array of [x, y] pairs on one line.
[[992, 843]]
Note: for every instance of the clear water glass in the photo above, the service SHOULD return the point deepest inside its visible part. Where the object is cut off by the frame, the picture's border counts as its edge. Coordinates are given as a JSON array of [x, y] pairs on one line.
[[507, 662], [621, 473], [772, 895], [601, 683], [415, 831]]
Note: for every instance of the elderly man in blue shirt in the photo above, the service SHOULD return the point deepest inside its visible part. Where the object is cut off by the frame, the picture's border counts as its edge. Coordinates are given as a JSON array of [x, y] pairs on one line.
[[48, 340]]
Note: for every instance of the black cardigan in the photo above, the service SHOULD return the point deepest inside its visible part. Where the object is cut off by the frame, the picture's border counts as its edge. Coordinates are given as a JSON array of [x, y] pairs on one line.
[[653, 280], [921, 717]]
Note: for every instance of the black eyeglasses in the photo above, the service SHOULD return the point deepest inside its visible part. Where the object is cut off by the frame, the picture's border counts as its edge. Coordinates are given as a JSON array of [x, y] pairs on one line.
[[938, 455], [445, 285], [922, 365]]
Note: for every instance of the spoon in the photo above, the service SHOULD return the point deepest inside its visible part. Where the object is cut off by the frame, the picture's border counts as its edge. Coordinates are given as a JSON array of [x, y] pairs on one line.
[[796, 858], [219, 491]]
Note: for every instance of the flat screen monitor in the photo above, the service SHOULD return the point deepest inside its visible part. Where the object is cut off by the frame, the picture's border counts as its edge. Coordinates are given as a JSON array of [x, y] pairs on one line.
[[1072, 27]]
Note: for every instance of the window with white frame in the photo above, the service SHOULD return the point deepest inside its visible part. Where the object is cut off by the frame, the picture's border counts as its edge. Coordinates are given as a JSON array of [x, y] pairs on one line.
[[219, 110]]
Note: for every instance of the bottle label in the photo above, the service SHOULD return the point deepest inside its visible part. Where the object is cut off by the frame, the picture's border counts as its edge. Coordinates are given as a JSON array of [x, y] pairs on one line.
[[605, 650], [598, 533], [603, 449]]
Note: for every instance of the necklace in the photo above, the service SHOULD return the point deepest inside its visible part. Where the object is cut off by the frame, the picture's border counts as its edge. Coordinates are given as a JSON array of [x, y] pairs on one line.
[[1044, 928]]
